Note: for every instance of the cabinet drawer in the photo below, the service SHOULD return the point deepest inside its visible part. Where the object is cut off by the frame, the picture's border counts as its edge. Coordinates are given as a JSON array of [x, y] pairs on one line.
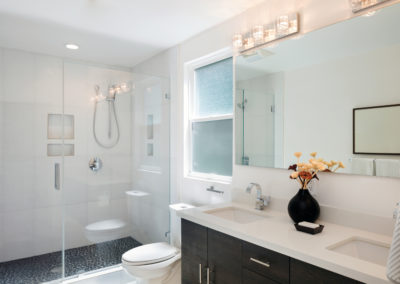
[[268, 263], [304, 273], [250, 277]]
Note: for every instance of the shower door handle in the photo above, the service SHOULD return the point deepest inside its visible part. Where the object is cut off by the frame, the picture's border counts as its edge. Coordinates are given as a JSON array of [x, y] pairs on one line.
[[57, 176]]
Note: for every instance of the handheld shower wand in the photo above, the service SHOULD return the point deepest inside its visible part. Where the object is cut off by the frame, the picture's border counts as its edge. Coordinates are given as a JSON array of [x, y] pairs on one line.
[[110, 99]]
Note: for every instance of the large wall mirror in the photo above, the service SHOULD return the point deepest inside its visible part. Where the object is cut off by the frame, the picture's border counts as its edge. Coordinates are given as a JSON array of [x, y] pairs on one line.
[[334, 91]]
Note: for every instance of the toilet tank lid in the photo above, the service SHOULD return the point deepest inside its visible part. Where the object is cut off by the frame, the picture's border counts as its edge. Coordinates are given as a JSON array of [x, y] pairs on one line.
[[151, 253]]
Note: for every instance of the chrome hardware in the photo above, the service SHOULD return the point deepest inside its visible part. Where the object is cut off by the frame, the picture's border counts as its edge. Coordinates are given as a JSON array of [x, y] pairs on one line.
[[266, 264], [261, 200], [57, 176], [208, 275], [212, 189], [200, 273], [95, 164]]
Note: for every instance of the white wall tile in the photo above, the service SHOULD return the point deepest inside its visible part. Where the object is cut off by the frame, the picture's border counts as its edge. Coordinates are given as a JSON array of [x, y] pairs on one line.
[[99, 210], [47, 230], [18, 234], [19, 76], [48, 80], [18, 189], [76, 219]]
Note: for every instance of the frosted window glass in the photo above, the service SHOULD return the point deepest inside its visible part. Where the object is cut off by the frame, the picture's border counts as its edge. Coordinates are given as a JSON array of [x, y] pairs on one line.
[[214, 89], [212, 147]]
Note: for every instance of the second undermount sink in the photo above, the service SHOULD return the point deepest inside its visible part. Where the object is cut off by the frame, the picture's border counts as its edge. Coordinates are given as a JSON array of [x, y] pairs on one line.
[[364, 249], [235, 214]]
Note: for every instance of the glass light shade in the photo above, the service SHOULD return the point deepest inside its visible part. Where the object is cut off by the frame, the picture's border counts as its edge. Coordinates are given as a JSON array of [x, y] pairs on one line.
[[269, 34], [293, 24], [125, 87], [248, 42], [258, 33], [358, 5], [368, 3], [282, 24], [237, 40]]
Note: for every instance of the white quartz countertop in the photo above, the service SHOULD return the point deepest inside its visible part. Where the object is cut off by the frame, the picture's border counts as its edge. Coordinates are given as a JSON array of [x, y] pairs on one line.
[[277, 232]]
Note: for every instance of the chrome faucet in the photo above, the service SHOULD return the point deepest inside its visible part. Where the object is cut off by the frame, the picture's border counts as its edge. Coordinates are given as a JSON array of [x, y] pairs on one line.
[[261, 200]]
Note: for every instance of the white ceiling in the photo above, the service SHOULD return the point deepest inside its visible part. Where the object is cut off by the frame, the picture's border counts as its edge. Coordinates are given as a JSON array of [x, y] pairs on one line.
[[117, 32]]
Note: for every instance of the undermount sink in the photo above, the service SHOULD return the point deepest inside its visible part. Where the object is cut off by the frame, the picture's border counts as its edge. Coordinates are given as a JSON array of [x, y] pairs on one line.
[[364, 249], [235, 214]]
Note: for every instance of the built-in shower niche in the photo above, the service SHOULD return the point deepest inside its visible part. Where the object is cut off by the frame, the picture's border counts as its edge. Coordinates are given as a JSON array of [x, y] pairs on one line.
[[60, 127], [55, 126], [150, 135], [57, 150]]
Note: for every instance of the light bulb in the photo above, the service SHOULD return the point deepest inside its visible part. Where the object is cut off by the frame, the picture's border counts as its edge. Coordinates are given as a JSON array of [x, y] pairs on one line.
[[237, 41], [248, 42]]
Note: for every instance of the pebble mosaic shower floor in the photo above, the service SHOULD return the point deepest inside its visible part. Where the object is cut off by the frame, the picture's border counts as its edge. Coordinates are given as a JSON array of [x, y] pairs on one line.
[[47, 267]]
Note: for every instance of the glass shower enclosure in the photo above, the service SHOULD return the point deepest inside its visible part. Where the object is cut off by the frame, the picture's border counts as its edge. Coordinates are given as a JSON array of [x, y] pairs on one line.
[[84, 165]]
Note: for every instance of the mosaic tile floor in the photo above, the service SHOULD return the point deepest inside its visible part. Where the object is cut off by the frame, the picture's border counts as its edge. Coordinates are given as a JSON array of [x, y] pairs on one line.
[[47, 267]]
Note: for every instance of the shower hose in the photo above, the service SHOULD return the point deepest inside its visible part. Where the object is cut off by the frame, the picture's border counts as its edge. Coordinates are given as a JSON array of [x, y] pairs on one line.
[[111, 111]]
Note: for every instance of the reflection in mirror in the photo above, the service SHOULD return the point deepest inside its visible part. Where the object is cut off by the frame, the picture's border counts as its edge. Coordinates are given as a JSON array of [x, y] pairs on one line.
[[300, 95]]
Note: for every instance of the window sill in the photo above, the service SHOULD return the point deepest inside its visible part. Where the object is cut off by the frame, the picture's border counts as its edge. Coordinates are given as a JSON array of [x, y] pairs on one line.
[[209, 178]]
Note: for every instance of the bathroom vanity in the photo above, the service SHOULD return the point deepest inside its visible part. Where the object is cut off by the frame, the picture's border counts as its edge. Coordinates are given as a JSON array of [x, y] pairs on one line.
[[209, 256], [236, 244]]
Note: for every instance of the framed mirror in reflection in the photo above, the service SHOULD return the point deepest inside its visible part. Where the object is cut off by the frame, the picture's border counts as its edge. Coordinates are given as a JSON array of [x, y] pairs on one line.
[[300, 95]]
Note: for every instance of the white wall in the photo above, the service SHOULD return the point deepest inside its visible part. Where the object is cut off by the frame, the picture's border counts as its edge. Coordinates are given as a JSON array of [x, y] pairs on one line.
[[375, 196]]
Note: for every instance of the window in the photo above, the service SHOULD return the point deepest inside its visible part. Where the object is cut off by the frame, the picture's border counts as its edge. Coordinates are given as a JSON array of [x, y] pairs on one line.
[[211, 120]]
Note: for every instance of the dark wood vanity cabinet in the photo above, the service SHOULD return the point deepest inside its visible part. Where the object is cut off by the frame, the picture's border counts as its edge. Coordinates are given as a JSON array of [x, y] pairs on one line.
[[304, 273], [211, 257], [194, 252]]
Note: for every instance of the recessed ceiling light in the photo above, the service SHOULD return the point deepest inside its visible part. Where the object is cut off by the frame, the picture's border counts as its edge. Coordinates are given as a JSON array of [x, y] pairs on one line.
[[72, 46]]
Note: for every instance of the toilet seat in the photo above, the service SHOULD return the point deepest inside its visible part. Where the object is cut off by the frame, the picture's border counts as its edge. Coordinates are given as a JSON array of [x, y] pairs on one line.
[[149, 254]]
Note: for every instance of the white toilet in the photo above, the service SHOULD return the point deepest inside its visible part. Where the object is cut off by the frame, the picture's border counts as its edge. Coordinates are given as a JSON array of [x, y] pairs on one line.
[[157, 263]]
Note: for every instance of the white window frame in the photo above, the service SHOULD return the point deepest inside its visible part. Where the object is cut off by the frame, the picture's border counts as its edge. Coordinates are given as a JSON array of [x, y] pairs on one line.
[[189, 89]]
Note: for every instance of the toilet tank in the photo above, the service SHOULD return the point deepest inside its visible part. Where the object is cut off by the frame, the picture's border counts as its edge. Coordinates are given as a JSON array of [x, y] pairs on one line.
[[176, 222]]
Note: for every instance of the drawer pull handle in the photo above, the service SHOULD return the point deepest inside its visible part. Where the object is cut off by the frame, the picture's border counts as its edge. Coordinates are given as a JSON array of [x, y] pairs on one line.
[[208, 275], [200, 273], [266, 264]]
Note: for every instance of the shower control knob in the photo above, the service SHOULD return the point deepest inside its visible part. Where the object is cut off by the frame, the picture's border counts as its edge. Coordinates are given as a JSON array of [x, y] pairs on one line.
[[95, 164]]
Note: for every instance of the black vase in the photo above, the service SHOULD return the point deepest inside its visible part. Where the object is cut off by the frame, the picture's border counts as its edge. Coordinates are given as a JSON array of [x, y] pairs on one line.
[[303, 207]]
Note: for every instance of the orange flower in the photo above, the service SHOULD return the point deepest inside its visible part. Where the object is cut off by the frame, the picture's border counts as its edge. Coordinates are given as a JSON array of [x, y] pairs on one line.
[[305, 175]]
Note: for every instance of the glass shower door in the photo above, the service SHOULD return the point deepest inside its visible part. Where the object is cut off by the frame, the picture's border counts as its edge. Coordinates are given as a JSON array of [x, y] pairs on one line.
[[116, 179], [31, 146]]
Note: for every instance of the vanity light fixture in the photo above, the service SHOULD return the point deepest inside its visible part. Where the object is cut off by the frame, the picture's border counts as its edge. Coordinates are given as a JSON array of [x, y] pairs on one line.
[[72, 46], [284, 26], [360, 5]]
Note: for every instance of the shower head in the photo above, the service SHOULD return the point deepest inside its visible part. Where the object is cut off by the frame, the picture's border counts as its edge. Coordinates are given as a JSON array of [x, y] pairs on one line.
[[119, 88]]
